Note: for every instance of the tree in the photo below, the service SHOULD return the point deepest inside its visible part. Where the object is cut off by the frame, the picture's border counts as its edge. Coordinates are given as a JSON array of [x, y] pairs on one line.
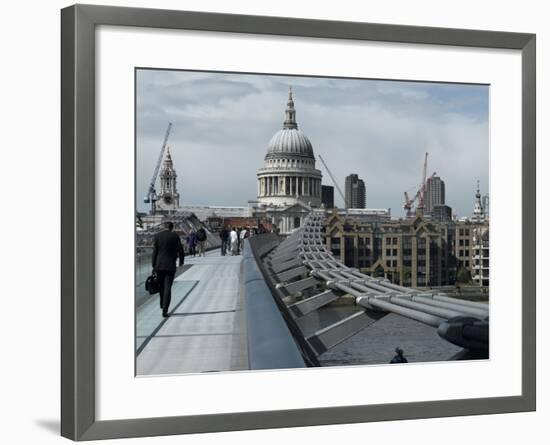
[[407, 273], [463, 276]]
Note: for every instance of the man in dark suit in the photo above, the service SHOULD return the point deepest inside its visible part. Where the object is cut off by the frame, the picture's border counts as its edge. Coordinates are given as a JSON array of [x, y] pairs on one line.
[[166, 249]]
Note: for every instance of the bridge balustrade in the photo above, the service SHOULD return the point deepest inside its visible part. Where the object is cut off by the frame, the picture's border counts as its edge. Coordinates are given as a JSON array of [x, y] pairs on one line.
[[304, 276]]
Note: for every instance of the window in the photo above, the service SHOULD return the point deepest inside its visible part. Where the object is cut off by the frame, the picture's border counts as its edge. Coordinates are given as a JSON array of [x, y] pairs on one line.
[[394, 252], [461, 242], [388, 252], [461, 232], [467, 242]]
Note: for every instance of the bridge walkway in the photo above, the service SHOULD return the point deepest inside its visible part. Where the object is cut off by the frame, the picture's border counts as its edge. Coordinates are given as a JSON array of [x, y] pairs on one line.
[[206, 330]]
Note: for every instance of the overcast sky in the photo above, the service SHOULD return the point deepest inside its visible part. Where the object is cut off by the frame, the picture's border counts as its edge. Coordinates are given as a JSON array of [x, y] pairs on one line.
[[222, 124]]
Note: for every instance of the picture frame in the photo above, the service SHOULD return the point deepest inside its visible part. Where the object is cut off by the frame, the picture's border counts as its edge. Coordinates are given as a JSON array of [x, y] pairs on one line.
[[78, 183]]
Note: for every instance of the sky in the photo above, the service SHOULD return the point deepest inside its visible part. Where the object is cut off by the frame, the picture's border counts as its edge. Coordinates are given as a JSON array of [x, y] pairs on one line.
[[378, 129]]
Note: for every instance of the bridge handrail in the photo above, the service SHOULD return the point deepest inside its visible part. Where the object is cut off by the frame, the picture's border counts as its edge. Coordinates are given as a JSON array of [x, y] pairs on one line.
[[454, 318], [270, 342]]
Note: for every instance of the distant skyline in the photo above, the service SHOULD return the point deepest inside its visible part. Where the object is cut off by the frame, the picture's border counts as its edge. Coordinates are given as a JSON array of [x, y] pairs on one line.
[[380, 130]]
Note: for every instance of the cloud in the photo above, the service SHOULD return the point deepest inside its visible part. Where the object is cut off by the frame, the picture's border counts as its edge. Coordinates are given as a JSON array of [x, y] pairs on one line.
[[378, 129]]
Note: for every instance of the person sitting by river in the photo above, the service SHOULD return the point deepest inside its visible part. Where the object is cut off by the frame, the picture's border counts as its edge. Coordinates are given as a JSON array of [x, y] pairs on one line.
[[399, 357]]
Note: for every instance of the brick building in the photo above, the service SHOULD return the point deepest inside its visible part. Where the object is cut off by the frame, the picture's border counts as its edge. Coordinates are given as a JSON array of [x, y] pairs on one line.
[[413, 252]]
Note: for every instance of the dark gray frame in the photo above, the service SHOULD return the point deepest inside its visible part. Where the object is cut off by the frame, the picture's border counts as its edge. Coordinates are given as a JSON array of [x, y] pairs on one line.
[[78, 24]]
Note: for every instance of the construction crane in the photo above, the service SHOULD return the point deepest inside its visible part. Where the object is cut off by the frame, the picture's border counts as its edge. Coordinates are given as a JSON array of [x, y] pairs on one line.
[[334, 182], [151, 197], [420, 194]]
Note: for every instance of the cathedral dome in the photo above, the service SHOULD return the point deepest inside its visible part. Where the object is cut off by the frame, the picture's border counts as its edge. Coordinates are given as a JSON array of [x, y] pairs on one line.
[[290, 141], [289, 176]]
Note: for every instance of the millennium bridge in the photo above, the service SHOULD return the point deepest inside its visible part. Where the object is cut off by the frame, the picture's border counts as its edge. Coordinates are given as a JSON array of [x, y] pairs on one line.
[[255, 311]]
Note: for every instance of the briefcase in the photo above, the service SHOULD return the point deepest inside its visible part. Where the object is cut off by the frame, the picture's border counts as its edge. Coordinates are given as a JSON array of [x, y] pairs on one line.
[[152, 284]]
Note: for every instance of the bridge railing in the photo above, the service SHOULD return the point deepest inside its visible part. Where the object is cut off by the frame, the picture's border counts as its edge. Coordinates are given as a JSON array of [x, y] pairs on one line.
[[271, 344], [302, 267]]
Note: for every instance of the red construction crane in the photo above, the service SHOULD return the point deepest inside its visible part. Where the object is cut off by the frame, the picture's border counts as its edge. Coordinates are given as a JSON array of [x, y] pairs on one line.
[[420, 194]]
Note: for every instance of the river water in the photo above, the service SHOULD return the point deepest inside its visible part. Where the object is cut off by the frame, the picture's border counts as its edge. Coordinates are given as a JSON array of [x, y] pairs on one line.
[[376, 344]]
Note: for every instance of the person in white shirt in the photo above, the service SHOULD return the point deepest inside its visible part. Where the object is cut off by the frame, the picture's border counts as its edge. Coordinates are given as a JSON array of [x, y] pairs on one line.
[[243, 235], [234, 241]]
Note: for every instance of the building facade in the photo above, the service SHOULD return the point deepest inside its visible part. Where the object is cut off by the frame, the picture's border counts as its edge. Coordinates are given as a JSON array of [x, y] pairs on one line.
[[442, 213], [485, 205], [417, 252], [480, 256], [289, 184], [205, 212], [327, 196], [356, 196], [289, 175], [435, 193]]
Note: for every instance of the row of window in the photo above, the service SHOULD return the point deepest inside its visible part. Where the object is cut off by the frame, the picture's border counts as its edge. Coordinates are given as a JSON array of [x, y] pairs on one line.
[[484, 253], [290, 163], [485, 263]]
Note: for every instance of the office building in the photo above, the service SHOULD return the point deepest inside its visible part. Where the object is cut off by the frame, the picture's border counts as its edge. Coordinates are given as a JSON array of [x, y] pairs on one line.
[[435, 194], [356, 197], [327, 196]]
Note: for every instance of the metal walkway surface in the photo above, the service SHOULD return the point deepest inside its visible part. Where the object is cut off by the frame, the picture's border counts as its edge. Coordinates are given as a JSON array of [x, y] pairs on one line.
[[206, 330]]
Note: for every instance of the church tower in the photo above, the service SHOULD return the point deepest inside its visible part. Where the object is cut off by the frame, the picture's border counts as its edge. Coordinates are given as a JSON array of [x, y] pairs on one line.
[[168, 198], [478, 214]]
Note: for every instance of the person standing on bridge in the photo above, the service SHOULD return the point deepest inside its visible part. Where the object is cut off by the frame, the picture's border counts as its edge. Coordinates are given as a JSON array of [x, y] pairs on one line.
[[191, 243], [167, 249], [234, 240], [224, 237], [242, 236], [201, 241]]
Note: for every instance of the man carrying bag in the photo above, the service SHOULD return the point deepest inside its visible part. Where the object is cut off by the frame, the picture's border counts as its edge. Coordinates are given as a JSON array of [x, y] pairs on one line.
[[167, 249]]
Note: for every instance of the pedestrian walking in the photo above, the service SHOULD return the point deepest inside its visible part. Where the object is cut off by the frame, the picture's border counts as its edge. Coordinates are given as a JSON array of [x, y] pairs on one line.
[[234, 240], [167, 249], [242, 236], [191, 243], [201, 241], [238, 231], [224, 237]]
